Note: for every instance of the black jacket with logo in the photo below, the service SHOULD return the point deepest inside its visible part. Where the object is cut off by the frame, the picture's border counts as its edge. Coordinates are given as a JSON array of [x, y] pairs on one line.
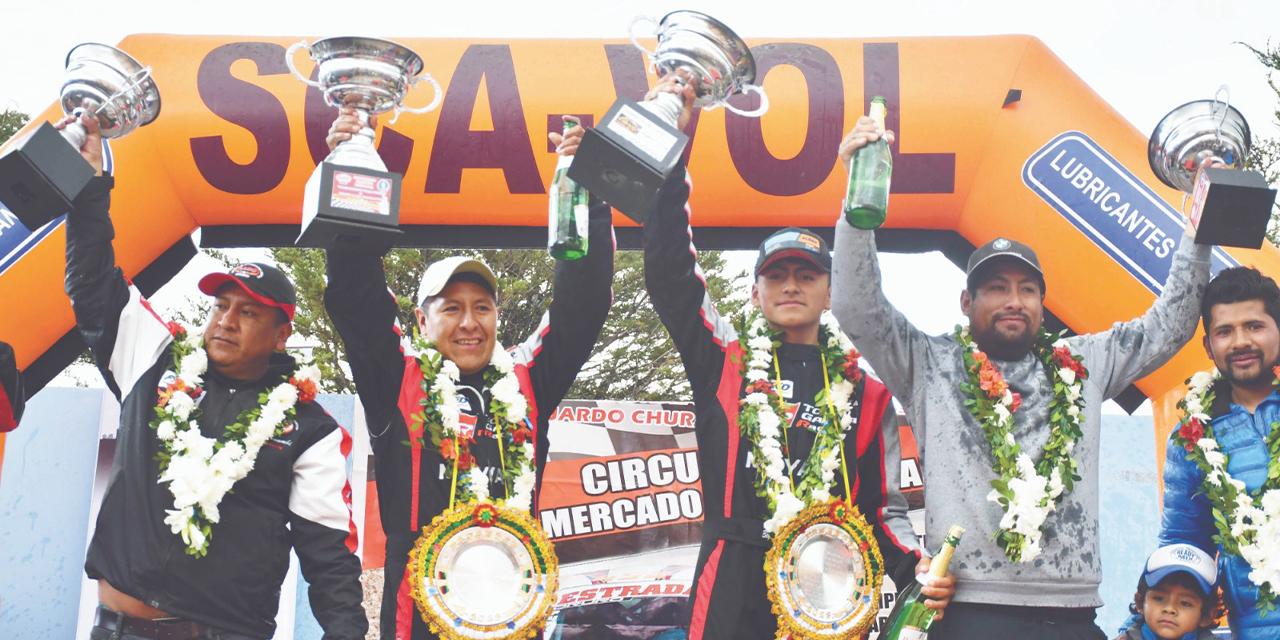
[[297, 495]]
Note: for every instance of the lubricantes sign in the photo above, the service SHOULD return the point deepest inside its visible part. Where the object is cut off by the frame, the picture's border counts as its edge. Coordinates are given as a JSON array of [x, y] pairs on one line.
[[1106, 202]]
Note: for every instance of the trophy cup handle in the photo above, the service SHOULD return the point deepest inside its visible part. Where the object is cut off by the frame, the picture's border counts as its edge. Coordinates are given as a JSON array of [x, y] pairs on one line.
[[288, 60], [764, 102], [439, 96], [631, 31]]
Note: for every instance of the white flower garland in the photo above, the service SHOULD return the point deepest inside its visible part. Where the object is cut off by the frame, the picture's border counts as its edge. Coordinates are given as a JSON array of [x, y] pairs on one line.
[[509, 407], [1027, 491], [764, 403], [1248, 525], [200, 471]]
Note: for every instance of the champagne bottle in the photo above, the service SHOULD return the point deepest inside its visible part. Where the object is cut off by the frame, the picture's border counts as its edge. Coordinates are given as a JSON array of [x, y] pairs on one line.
[[568, 212], [867, 201], [910, 619]]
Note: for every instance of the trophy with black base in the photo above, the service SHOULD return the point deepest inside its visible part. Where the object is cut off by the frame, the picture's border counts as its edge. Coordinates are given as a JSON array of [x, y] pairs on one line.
[[1200, 149], [627, 156], [351, 199], [43, 172]]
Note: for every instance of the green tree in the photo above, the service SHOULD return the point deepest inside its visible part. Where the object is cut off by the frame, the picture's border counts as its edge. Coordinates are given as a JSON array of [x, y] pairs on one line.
[[634, 358], [1265, 155], [11, 120]]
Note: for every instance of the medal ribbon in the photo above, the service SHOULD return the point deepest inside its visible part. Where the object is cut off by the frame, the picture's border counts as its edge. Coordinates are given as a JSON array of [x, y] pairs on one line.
[[826, 385]]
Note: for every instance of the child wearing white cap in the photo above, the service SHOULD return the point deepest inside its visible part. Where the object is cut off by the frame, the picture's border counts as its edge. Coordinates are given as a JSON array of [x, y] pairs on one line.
[[1177, 596]]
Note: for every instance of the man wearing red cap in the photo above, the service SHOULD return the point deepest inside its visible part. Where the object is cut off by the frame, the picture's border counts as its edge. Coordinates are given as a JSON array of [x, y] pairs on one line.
[[223, 462], [794, 377], [457, 317]]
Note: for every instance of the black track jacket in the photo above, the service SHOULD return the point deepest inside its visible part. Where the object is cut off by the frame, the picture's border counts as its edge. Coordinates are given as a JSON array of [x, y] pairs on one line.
[[297, 495]]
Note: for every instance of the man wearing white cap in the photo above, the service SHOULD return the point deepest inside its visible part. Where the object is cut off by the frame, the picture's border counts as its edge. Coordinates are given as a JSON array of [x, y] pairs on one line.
[[457, 317]]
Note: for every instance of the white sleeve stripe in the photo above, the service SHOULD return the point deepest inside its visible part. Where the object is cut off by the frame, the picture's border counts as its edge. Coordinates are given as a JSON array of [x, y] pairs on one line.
[[320, 482], [140, 339]]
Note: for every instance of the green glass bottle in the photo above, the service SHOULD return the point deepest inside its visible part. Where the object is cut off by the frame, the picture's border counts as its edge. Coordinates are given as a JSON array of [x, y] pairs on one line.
[[567, 212], [910, 619], [867, 201]]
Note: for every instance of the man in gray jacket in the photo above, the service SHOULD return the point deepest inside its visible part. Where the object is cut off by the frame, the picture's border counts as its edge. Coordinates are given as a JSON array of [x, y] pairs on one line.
[[1039, 577]]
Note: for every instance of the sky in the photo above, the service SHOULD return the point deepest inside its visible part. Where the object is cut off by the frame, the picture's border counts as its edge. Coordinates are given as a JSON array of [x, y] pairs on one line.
[[1143, 56]]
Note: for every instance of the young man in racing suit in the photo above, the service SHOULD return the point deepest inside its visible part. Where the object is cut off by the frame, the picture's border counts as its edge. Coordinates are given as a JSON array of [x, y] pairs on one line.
[[792, 289], [457, 310], [296, 495]]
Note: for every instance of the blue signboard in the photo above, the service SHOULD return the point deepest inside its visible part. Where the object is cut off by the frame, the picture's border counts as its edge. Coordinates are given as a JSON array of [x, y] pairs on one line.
[[1111, 207], [16, 240]]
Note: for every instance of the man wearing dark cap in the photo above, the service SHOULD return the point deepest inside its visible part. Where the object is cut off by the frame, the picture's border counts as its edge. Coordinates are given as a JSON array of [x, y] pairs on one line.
[[223, 460], [457, 316], [727, 370], [12, 396], [1002, 400]]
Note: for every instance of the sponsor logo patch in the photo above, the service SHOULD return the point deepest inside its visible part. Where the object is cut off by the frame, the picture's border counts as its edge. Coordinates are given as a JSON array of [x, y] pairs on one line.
[[247, 271]]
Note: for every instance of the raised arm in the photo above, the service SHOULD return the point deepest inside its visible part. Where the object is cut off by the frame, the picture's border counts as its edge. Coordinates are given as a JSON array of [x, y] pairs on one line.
[[879, 486], [125, 335], [678, 288], [894, 347], [363, 312], [324, 535], [1130, 350]]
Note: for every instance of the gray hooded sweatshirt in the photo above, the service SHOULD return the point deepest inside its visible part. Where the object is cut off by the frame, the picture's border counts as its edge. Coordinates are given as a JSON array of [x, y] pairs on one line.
[[925, 373]]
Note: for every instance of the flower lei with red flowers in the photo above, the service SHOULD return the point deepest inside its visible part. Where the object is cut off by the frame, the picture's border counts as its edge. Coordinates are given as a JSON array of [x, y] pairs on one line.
[[440, 420], [762, 419], [1248, 522], [200, 470], [1027, 491]]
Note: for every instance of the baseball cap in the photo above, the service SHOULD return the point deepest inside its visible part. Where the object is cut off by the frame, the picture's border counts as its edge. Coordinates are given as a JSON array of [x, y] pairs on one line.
[[439, 273], [1181, 557], [263, 282], [794, 242], [1003, 247]]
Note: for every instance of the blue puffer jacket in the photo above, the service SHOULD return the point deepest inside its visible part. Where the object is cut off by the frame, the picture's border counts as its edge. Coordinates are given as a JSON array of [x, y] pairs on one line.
[[1188, 517]]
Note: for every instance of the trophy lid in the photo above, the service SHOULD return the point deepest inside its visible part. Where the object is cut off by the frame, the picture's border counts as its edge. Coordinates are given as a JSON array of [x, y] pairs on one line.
[[1193, 132], [97, 72]]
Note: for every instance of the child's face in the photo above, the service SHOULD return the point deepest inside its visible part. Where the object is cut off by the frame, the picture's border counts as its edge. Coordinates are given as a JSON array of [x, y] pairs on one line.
[[1172, 610]]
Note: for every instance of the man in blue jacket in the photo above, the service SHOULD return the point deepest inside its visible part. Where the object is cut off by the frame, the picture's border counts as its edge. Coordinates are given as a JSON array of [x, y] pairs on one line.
[[1240, 312]]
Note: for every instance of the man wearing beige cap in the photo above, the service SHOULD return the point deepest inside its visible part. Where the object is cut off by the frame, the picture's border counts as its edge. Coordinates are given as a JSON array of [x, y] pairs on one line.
[[457, 316]]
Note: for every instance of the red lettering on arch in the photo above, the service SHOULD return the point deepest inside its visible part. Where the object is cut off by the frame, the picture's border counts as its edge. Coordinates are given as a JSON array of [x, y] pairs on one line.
[[507, 147], [249, 106]]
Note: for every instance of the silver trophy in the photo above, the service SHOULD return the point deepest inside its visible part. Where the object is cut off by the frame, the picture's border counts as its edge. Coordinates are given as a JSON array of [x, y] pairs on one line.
[[41, 174], [351, 198], [1229, 206], [714, 56], [627, 156]]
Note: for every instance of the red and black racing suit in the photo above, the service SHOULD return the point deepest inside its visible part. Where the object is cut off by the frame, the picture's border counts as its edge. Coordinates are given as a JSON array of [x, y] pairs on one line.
[[729, 598], [411, 486]]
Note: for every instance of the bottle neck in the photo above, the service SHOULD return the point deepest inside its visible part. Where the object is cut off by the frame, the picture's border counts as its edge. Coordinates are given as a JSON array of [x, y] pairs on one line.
[[938, 567], [878, 112]]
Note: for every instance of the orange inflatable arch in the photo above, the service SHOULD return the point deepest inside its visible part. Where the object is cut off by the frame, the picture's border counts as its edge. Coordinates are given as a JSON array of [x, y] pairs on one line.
[[996, 136]]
